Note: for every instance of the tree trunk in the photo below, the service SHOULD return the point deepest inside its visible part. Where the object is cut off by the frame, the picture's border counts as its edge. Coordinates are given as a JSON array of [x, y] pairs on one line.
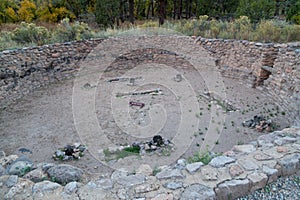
[[131, 11], [179, 10], [162, 11], [174, 9]]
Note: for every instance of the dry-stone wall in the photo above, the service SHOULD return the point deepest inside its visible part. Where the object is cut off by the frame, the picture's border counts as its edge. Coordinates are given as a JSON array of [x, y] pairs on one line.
[[24, 70], [241, 170], [272, 68]]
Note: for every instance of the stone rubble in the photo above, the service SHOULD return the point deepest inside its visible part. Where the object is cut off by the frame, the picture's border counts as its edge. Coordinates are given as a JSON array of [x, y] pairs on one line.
[[249, 168]]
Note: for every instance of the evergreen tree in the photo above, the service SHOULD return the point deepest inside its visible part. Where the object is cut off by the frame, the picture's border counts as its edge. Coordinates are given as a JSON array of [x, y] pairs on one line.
[[257, 9], [107, 12]]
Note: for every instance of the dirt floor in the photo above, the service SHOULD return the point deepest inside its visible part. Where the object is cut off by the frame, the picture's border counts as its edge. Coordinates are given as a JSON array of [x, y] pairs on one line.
[[43, 121]]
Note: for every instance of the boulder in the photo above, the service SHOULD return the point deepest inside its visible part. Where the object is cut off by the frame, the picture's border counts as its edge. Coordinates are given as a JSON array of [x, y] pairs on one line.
[[64, 174]]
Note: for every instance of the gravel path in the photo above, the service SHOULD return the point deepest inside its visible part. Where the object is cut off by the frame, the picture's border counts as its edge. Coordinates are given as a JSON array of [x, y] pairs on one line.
[[285, 188]]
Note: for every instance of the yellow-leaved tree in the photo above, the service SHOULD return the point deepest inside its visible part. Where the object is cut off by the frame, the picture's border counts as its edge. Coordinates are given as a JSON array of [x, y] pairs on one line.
[[11, 15], [27, 10]]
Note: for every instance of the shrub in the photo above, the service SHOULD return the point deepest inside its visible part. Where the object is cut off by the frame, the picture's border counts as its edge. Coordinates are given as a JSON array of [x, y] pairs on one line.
[[6, 41], [30, 33], [69, 32]]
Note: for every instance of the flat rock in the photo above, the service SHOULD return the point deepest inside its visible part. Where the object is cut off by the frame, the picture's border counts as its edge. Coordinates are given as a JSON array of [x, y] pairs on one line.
[[170, 174], [118, 173], [131, 180], [232, 189], [36, 175], [163, 197], [173, 185], [45, 186], [235, 170], [221, 161], [12, 181], [262, 157], [290, 164], [271, 173], [105, 183], [65, 173], [246, 148], [144, 188], [193, 167], [285, 140], [144, 169], [257, 180], [2, 170], [20, 168], [209, 173], [198, 192], [71, 187], [248, 164]]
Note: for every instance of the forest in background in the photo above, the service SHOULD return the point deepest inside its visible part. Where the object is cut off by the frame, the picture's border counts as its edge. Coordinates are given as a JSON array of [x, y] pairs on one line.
[[115, 12], [38, 22]]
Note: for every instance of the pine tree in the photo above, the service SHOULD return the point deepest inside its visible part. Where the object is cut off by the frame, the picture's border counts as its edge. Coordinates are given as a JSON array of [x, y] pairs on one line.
[[107, 12]]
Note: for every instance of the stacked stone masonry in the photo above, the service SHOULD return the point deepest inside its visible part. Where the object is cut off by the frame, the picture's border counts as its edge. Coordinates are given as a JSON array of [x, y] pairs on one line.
[[273, 68], [241, 170]]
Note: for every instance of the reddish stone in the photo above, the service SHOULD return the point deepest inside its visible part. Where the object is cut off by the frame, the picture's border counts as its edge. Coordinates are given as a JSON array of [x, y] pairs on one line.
[[235, 170], [282, 149]]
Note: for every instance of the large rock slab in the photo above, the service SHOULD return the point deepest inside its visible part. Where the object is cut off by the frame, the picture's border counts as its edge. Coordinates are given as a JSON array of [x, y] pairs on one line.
[[64, 174], [45, 186], [232, 189], [131, 180], [290, 164], [198, 192], [193, 167], [245, 148], [170, 174], [20, 167], [221, 161], [257, 180]]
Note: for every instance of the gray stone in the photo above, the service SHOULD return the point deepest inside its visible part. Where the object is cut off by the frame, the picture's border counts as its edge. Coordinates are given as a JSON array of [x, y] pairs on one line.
[[170, 174], [2, 154], [118, 173], [5, 161], [246, 148], [65, 173], [2, 170], [198, 192], [173, 185], [181, 162], [105, 183], [248, 164], [271, 173], [45, 186], [290, 164], [12, 181], [232, 189], [257, 180], [144, 169], [209, 173], [193, 167], [122, 194], [71, 187], [20, 168], [284, 140], [221, 161], [131, 180], [36, 175], [144, 188], [45, 166]]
